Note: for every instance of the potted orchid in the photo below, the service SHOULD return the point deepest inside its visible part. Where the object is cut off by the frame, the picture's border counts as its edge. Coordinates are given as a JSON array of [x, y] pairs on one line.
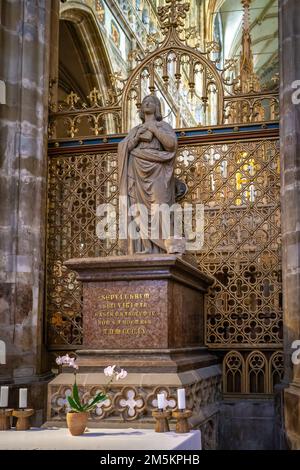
[[79, 411]]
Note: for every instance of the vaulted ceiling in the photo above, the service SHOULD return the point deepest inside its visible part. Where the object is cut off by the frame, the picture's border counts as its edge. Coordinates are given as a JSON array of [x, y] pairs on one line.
[[77, 58], [263, 29]]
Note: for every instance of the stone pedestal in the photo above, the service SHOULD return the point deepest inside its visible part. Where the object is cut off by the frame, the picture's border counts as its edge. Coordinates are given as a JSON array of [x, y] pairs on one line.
[[146, 314]]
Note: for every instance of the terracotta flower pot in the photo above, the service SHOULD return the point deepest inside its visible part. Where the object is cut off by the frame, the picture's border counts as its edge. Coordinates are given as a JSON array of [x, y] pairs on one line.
[[77, 422]]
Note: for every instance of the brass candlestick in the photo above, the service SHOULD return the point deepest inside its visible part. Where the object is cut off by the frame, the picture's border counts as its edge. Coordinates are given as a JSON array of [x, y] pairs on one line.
[[161, 417], [5, 414], [182, 424], [23, 422]]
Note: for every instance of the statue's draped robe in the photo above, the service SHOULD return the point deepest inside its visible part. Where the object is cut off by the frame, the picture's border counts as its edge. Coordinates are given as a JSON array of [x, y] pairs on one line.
[[146, 176]]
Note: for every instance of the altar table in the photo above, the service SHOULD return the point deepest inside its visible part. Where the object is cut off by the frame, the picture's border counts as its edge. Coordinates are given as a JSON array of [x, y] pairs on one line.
[[98, 439]]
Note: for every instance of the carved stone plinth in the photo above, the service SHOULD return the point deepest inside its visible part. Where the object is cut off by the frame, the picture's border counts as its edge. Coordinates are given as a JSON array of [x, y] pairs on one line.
[[141, 302], [146, 314]]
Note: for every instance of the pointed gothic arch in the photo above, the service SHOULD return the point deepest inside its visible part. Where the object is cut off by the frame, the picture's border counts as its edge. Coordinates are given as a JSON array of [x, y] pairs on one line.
[[94, 55], [174, 60]]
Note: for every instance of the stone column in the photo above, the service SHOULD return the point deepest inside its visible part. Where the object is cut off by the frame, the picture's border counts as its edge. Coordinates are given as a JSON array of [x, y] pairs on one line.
[[290, 200], [24, 66], [54, 57]]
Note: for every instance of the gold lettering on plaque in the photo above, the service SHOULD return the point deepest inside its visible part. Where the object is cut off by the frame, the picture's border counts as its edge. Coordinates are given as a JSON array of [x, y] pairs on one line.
[[125, 313], [124, 296]]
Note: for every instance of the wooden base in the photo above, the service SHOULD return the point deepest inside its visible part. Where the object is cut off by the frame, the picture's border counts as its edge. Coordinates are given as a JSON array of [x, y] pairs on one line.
[[23, 422], [5, 414], [182, 424], [161, 417]]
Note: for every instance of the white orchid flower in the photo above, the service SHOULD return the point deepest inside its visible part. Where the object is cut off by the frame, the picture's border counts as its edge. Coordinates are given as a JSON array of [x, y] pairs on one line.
[[66, 360], [121, 375], [109, 371]]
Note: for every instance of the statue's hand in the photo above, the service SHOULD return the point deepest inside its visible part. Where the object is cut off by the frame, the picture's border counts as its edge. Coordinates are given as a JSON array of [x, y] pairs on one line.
[[141, 131], [151, 126], [134, 142]]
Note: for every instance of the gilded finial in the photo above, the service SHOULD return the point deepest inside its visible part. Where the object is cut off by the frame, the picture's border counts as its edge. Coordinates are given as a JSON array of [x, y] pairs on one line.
[[172, 14]]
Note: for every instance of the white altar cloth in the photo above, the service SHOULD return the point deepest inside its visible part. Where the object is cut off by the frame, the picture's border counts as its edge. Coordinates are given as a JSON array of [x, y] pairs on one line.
[[98, 439]]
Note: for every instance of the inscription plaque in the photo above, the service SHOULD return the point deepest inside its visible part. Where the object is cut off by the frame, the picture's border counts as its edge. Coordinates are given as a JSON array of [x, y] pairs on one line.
[[125, 314]]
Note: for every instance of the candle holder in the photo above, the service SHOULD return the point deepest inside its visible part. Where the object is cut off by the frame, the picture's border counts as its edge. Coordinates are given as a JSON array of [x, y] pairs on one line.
[[23, 422], [5, 414], [161, 417], [182, 424]]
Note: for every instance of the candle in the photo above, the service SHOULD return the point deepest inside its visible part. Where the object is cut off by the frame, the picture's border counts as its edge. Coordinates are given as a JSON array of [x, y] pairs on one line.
[[23, 398], [4, 397], [160, 401], [181, 399]]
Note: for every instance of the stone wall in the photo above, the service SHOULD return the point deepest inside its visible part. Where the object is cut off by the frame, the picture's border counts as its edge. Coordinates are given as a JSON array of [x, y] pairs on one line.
[[290, 197], [24, 67], [247, 424]]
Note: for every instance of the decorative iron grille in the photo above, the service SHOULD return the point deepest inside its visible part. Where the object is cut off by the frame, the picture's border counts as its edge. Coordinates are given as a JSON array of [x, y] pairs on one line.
[[255, 372], [237, 182]]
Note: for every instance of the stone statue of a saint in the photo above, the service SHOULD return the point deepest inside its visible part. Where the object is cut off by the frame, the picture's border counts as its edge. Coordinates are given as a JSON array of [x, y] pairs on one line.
[[146, 159]]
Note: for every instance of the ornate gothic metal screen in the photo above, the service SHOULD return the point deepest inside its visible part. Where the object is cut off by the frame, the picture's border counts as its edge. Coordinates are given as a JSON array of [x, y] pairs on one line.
[[233, 169], [238, 183]]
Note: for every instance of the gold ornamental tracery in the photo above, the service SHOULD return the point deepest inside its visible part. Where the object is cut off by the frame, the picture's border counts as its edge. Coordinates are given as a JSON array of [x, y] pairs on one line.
[[179, 72], [238, 183], [174, 61]]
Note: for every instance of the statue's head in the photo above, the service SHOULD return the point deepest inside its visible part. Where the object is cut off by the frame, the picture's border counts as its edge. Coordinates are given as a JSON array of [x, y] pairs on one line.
[[151, 105]]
